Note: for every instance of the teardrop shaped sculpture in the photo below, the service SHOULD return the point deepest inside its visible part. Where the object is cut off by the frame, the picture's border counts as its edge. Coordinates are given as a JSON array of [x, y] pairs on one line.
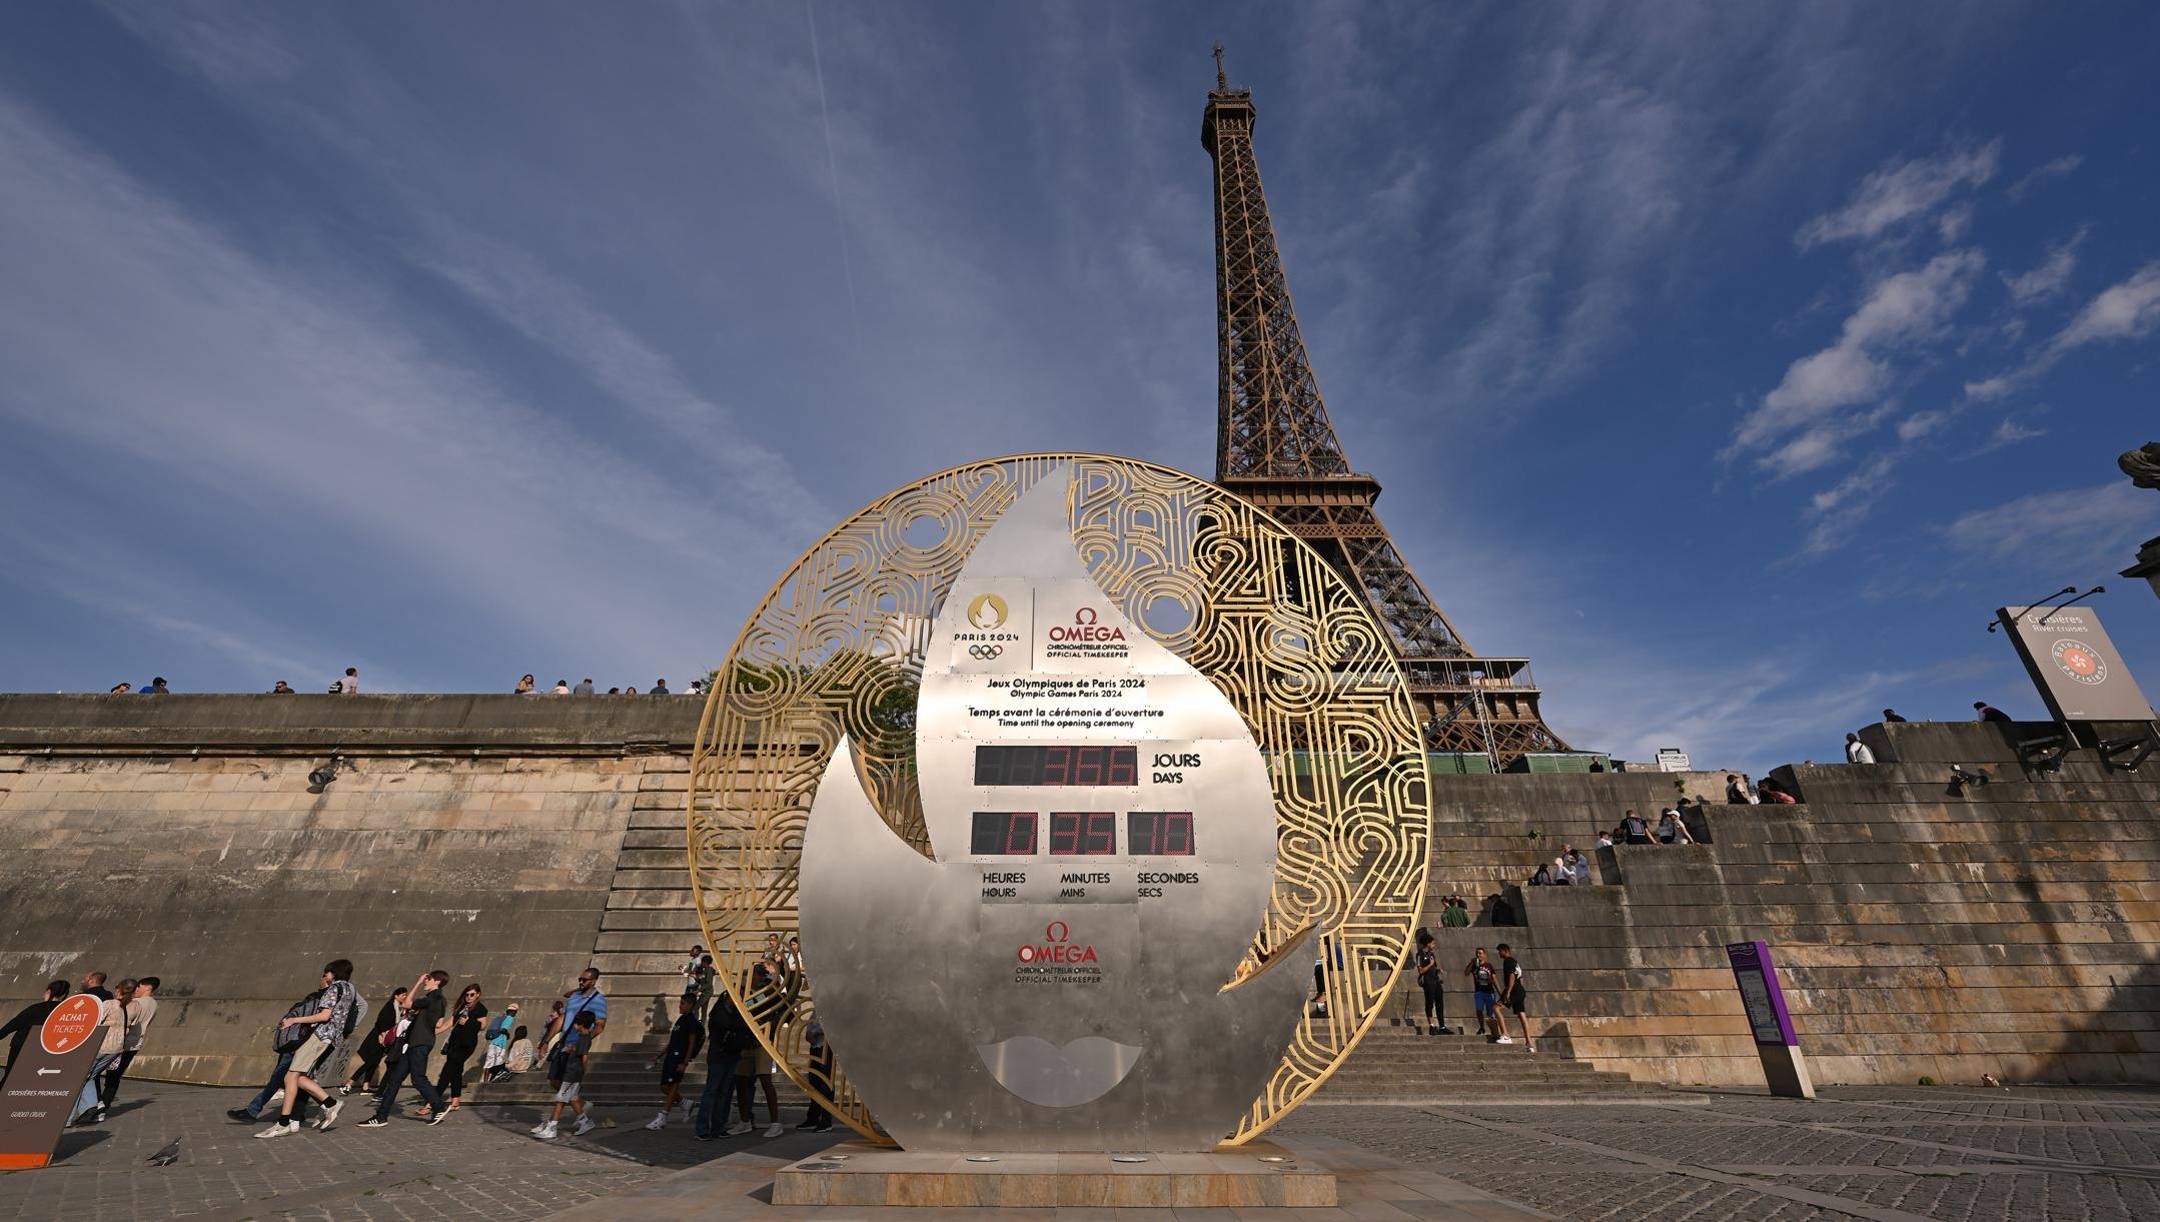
[[1102, 837]]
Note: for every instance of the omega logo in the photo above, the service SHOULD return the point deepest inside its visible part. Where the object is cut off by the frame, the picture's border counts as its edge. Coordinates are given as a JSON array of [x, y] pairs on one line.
[[1057, 947], [1084, 628]]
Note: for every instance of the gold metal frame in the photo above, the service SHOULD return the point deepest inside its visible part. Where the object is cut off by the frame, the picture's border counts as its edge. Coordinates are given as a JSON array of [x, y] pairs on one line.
[[835, 648]]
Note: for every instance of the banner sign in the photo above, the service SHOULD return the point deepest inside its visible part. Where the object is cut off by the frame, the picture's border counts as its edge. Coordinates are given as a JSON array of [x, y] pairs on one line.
[[2074, 664], [43, 1083], [1768, 1019]]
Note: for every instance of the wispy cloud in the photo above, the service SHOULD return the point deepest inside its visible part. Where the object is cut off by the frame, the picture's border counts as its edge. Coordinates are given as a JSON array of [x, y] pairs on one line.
[[1902, 191], [1798, 426], [2042, 173], [2129, 310], [2074, 534], [2052, 276]]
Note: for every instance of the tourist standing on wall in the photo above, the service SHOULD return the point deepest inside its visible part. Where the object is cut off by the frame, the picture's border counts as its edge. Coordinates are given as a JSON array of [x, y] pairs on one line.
[[1513, 996], [1429, 979], [1484, 993], [1633, 830], [725, 1035], [112, 1015], [28, 1019], [1856, 752], [422, 1022], [141, 1008], [463, 1040], [683, 1044], [322, 1053], [379, 1039]]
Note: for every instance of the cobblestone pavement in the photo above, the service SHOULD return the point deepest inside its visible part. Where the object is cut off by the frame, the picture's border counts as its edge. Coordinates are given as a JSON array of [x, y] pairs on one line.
[[1889, 1155], [1892, 1155], [478, 1163]]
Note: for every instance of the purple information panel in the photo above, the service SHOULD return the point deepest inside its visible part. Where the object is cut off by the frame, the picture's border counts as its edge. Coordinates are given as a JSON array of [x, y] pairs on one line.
[[1766, 1013]]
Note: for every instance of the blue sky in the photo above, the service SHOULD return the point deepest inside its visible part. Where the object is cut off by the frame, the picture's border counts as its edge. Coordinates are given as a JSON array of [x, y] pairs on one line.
[[1730, 361]]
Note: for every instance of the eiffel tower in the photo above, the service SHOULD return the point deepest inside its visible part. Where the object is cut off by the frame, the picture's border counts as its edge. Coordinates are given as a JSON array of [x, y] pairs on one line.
[[1275, 446]]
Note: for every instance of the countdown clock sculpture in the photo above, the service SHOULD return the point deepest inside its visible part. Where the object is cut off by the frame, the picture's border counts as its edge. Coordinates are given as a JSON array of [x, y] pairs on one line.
[[1060, 766]]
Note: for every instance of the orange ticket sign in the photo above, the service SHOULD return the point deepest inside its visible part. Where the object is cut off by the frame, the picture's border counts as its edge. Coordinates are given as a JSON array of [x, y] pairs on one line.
[[42, 1085]]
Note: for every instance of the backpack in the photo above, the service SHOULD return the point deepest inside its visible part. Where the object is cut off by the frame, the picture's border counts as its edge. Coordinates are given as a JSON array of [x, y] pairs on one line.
[[352, 1016], [285, 1039]]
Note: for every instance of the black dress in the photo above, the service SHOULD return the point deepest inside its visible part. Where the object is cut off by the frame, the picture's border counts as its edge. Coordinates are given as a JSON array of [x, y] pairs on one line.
[[458, 1048]]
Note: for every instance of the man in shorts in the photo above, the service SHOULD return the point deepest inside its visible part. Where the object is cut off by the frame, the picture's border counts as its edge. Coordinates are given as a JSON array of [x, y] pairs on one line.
[[682, 1046], [575, 1047], [1513, 997], [1484, 983]]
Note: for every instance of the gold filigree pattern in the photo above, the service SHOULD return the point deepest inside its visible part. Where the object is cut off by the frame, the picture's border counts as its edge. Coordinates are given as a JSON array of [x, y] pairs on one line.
[[837, 648]]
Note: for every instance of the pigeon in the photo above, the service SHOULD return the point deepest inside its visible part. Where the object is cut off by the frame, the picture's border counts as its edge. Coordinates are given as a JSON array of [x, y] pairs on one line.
[[167, 1156]]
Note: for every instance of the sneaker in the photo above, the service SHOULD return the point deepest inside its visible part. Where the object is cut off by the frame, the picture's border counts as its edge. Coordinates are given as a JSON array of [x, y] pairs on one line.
[[241, 1114], [657, 1123], [276, 1097], [824, 1126], [774, 1129], [687, 1111], [806, 1126], [344, 1088], [739, 1128], [547, 1131], [330, 1114], [1503, 1040], [374, 1122], [584, 1125], [439, 1117], [279, 1129], [536, 1129]]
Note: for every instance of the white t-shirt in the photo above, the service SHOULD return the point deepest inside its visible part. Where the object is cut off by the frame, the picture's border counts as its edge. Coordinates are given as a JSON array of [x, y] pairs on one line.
[[1857, 752]]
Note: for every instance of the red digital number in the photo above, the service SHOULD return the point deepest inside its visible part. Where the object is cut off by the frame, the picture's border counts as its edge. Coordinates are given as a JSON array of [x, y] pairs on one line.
[[1082, 833], [1056, 761], [1122, 766], [1021, 837], [1087, 765]]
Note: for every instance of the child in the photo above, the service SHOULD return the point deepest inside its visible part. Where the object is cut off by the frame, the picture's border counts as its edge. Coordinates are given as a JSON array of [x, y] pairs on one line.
[[498, 1046], [682, 1046], [521, 1055], [576, 1044]]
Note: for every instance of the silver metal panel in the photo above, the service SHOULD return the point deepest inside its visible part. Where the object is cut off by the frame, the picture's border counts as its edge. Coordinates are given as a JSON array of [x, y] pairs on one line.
[[1076, 1003]]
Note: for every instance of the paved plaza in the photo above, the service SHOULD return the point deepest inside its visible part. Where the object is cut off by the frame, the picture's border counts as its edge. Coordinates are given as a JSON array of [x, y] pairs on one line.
[[1884, 1154]]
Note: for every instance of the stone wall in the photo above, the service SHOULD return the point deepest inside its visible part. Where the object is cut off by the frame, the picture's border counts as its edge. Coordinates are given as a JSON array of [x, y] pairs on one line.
[[1922, 929], [176, 836], [2011, 928]]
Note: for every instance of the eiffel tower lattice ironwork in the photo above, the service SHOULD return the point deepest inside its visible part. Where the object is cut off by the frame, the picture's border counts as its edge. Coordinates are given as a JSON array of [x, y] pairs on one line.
[[1276, 446]]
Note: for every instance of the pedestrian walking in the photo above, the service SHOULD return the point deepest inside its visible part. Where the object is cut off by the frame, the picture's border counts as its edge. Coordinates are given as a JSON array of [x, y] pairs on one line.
[[285, 1042], [587, 998], [725, 1034], [424, 1021], [141, 1008], [1429, 980], [1513, 997], [28, 1019], [684, 1041], [552, 1030], [112, 1016], [463, 1040], [322, 1052], [569, 1079], [380, 1037], [1485, 995]]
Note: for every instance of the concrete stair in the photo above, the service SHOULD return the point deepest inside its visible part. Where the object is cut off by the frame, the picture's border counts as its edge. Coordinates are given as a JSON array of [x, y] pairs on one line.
[[1397, 1063]]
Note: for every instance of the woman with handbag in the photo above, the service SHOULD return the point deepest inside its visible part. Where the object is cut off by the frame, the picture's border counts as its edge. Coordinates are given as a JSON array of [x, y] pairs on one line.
[[323, 1049], [464, 1038], [377, 1044]]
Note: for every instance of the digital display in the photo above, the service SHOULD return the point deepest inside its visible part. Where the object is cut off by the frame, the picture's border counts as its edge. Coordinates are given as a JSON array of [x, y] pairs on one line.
[[1159, 833], [1089, 833], [1003, 833], [1075, 765]]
